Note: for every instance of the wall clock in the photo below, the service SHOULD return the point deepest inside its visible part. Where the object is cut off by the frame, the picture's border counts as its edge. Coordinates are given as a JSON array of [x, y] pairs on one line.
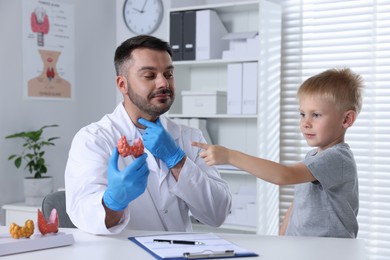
[[143, 16]]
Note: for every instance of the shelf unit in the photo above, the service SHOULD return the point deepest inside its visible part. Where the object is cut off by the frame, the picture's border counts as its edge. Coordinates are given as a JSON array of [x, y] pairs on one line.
[[19, 212], [240, 132]]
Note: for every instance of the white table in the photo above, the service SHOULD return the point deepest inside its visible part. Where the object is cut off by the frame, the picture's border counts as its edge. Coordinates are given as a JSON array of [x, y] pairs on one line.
[[94, 247]]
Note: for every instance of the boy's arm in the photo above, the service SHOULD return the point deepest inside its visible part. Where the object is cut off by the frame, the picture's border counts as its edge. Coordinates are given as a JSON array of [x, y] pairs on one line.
[[283, 227], [270, 171], [267, 170]]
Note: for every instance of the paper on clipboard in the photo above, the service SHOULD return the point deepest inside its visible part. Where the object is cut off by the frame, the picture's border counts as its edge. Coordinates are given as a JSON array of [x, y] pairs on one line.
[[210, 246]]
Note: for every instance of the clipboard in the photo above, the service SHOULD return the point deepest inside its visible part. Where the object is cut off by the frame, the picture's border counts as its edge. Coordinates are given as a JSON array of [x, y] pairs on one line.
[[190, 246]]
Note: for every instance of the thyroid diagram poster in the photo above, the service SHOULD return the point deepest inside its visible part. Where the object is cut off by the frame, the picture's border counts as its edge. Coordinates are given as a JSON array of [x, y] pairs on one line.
[[48, 50]]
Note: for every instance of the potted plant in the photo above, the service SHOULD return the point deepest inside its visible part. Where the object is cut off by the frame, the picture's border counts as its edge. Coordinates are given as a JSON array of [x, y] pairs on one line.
[[33, 154]]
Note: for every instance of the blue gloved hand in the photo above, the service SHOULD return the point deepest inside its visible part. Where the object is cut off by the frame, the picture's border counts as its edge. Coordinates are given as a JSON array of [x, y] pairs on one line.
[[160, 143], [125, 186]]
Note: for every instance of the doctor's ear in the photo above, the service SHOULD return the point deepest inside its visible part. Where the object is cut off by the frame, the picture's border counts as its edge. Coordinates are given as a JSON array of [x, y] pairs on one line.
[[349, 118], [121, 83]]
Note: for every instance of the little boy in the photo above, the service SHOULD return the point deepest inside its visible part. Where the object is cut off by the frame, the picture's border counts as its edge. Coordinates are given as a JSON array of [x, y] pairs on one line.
[[326, 200]]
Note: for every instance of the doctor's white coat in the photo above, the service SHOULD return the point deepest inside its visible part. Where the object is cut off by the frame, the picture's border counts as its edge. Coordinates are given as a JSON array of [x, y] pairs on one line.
[[165, 204]]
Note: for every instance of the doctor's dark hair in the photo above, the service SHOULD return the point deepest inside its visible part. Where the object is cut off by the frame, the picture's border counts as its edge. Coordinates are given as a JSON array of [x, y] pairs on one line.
[[342, 87], [123, 52]]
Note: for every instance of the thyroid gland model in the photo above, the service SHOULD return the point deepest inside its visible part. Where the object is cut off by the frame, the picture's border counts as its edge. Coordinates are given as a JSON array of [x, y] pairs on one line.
[[49, 83], [40, 24]]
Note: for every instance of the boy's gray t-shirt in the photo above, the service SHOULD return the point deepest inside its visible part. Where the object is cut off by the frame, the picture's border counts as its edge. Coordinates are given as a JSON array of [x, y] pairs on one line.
[[327, 207]]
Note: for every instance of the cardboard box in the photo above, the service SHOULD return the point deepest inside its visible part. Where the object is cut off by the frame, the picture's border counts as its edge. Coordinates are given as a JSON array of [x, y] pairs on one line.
[[204, 102]]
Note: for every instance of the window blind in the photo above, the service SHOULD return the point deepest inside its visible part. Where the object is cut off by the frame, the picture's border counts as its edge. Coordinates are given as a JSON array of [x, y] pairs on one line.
[[318, 35]]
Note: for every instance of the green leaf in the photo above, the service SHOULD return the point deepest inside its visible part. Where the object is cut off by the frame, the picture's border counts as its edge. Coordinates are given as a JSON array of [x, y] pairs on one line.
[[45, 126], [52, 138], [21, 134], [18, 162], [11, 157], [41, 162]]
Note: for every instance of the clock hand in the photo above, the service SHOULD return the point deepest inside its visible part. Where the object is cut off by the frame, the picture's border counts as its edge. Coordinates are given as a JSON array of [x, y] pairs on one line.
[[143, 7], [139, 11]]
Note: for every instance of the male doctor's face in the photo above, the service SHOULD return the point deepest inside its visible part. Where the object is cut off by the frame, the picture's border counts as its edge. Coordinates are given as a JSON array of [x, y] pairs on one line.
[[150, 81]]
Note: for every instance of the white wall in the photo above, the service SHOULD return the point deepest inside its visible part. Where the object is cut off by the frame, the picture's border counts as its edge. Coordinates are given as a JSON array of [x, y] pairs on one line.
[[122, 33], [95, 43]]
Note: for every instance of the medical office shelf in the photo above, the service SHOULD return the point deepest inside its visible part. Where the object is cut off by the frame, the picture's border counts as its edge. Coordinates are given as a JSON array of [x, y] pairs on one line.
[[238, 132]]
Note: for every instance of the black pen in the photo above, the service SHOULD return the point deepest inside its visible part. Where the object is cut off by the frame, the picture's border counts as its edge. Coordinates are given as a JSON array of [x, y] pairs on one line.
[[183, 242]]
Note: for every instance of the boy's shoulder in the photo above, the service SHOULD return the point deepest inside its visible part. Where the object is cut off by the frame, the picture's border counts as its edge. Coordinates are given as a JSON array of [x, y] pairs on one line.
[[336, 153]]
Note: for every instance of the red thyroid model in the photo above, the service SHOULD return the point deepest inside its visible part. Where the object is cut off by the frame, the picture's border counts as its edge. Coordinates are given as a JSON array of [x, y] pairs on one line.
[[50, 226], [124, 149]]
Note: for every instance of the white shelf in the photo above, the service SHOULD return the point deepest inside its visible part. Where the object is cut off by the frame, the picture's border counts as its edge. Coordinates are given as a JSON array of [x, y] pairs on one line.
[[234, 172], [238, 6], [239, 227], [211, 63], [19, 212], [21, 206], [229, 228], [198, 227], [219, 116]]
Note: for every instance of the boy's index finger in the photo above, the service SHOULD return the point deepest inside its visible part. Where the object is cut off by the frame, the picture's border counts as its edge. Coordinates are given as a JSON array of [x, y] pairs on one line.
[[200, 145]]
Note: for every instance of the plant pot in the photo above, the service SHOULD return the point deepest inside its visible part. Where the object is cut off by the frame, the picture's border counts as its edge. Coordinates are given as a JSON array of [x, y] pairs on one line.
[[35, 189]]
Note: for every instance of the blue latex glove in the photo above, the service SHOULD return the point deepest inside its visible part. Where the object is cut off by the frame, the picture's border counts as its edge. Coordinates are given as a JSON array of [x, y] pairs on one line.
[[125, 186], [160, 143]]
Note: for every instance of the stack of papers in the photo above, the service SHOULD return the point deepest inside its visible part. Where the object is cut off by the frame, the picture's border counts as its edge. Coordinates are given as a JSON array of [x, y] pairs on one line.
[[190, 246]]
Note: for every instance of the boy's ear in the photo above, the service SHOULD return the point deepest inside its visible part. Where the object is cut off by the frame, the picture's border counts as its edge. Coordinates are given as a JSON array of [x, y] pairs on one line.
[[349, 118]]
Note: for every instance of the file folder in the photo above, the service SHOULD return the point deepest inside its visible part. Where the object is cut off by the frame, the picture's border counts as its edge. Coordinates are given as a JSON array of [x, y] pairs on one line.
[[199, 246], [209, 33], [249, 88], [189, 37], [234, 88], [176, 35]]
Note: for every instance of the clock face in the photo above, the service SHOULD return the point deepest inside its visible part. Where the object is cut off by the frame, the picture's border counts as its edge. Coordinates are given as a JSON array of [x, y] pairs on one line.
[[143, 16]]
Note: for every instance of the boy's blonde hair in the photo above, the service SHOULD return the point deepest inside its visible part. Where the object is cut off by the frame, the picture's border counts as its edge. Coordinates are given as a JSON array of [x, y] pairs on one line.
[[340, 86]]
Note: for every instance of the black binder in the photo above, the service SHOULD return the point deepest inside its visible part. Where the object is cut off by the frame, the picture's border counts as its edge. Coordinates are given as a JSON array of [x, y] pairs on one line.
[[176, 35], [189, 35]]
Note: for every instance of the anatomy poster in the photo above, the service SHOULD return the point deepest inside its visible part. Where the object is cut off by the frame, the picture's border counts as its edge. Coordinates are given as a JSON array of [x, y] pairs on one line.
[[48, 49]]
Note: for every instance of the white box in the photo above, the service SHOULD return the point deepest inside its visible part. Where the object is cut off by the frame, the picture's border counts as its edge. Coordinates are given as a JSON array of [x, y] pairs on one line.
[[242, 45], [204, 102]]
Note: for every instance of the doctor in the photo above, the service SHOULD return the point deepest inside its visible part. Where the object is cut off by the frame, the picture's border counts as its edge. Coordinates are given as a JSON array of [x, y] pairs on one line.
[[106, 193]]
